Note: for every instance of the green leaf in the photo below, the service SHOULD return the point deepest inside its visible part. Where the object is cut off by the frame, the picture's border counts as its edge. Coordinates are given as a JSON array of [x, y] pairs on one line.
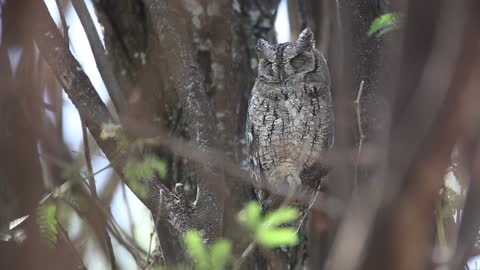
[[143, 170], [47, 221], [196, 250], [274, 238], [113, 131], [266, 229], [280, 216], [384, 24], [250, 215], [220, 254], [160, 167], [109, 130]]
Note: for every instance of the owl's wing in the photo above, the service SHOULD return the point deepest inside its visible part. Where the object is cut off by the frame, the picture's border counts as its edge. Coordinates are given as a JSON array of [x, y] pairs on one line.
[[316, 129], [253, 158]]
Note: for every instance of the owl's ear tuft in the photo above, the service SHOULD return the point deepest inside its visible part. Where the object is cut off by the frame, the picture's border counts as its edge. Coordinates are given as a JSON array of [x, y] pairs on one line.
[[262, 47], [306, 40]]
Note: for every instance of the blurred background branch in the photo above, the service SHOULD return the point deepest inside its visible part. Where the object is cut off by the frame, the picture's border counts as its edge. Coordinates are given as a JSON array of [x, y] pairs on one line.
[[162, 148]]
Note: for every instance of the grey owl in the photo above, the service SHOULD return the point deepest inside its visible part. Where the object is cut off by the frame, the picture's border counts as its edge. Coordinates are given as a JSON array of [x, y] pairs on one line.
[[290, 118]]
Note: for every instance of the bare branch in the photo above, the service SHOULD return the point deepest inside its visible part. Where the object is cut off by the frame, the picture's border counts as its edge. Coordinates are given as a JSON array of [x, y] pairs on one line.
[[83, 95], [64, 235], [93, 190], [246, 253], [63, 20], [103, 64], [73, 79], [360, 132], [157, 217]]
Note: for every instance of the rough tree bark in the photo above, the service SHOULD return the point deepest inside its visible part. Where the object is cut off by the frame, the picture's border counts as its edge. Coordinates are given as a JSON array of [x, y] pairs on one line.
[[186, 67], [190, 66]]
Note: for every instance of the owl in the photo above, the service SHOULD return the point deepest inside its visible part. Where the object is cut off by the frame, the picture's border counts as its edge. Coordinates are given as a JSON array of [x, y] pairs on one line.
[[290, 119]]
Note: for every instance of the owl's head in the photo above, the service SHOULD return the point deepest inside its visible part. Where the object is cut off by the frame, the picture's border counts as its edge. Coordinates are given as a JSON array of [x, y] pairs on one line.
[[281, 62]]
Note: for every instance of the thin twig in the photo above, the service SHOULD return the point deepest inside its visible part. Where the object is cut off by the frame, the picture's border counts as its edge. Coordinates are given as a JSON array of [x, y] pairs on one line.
[[93, 190], [73, 79], [88, 161], [64, 234], [361, 133], [129, 210], [57, 97], [103, 64], [113, 228], [157, 217], [246, 253], [83, 95], [132, 248], [101, 155], [63, 21]]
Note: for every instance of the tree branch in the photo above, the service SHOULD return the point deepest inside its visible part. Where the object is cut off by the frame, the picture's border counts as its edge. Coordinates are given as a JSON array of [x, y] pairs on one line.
[[64, 235], [73, 79], [93, 190], [360, 132], [103, 64], [173, 28], [83, 95]]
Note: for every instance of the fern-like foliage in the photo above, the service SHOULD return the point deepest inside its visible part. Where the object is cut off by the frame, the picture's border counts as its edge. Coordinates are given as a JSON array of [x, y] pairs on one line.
[[47, 221]]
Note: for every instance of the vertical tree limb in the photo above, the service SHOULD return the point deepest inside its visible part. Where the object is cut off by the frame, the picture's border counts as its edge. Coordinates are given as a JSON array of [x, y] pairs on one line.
[[174, 30]]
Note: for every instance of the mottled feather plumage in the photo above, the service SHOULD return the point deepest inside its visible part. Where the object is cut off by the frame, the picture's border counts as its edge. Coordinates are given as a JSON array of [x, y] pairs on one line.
[[290, 117]]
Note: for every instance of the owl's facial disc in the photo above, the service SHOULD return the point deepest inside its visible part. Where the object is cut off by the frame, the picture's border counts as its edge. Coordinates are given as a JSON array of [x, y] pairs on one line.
[[299, 56], [278, 63]]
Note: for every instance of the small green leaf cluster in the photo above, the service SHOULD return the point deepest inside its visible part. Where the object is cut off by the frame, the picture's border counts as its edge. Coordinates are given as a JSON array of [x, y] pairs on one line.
[[214, 257], [384, 24], [113, 131], [452, 201], [136, 170], [267, 229], [47, 221]]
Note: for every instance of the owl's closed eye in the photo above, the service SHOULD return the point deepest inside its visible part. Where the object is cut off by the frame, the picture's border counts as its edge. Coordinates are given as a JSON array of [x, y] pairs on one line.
[[267, 68], [299, 61]]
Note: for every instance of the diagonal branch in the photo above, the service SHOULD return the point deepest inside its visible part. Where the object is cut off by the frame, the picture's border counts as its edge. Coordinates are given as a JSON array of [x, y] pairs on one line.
[[100, 55], [73, 79], [82, 93]]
